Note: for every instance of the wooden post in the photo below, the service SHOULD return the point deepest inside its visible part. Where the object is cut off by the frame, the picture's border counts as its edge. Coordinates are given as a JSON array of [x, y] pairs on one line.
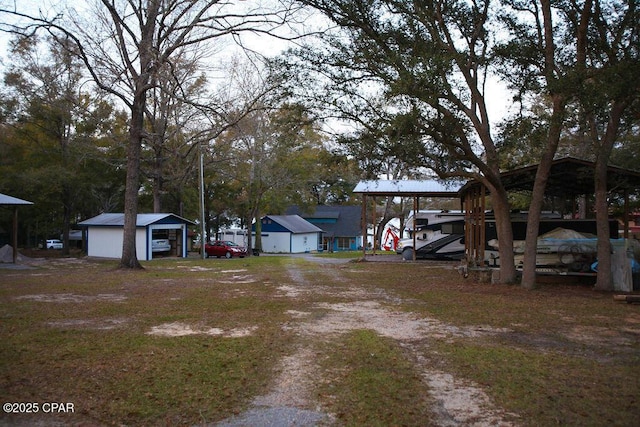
[[626, 213], [474, 225], [15, 234], [364, 225], [468, 245], [373, 226], [481, 224], [416, 207]]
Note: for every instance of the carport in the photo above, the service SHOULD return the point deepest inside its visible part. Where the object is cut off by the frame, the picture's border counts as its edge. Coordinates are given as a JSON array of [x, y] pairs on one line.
[[402, 188], [105, 234], [6, 200], [569, 178]]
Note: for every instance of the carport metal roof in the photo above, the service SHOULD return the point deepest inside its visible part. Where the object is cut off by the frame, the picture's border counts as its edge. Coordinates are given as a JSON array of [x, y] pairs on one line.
[[410, 188], [6, 200], [12, 201], [569, 177]]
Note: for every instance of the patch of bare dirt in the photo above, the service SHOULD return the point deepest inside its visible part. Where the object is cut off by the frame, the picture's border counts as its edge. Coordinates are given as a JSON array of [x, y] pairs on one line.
[[459, 403], [294, 382], [402, 326], [179, 329]]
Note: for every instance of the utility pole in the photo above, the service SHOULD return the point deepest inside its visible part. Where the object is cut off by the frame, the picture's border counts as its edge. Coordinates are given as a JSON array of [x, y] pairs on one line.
[[202, 235]]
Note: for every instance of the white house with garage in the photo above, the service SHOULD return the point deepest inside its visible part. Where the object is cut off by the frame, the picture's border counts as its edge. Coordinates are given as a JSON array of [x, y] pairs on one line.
[[289, 234], [157, 234]]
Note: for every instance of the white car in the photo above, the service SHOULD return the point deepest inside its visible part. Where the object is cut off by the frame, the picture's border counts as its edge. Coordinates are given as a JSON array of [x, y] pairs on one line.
[[160, 245], [54, 244]]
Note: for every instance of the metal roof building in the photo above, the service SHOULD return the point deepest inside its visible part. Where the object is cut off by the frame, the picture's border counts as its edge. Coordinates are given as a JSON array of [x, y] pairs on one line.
[[569, 177], [105, 234], [403, 188], [289, 234], [6, 200]]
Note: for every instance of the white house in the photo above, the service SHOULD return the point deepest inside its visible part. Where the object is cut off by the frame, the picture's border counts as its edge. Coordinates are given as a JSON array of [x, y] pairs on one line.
[[105, 234], [289, 234]]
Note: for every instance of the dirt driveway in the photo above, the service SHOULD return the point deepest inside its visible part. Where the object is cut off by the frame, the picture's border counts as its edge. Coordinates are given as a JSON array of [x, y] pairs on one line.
[[290, 401]]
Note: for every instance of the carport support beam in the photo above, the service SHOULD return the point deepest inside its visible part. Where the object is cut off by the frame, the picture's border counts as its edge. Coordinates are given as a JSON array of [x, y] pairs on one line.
[[416, 206], [626, 214], [364, 225], [373, 226], [15, 234]]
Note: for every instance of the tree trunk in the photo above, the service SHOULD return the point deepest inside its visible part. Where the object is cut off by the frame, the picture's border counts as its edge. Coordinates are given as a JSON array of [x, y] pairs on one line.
[[157, 192], [250, 244], [207, 219], [256, 216], [533, 222], [537, 198], [505, 236], [136, 129], [67, 208], [604, 280], [129, 256]]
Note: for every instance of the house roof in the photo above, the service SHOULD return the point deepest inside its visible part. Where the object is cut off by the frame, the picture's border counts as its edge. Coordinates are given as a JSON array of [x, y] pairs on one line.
[[343, 221], [10, 200], [294, 223], [410, 188], [117, 220]]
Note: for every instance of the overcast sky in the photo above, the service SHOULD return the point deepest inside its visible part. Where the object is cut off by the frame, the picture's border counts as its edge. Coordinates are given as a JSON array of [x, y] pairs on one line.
[[497, 98]]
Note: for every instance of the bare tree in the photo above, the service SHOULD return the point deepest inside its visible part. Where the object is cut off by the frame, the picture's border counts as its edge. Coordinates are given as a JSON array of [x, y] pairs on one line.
[[123, 44]]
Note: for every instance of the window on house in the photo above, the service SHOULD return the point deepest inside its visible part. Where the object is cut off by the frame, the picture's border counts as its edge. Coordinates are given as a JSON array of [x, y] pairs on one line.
[[344, 243]]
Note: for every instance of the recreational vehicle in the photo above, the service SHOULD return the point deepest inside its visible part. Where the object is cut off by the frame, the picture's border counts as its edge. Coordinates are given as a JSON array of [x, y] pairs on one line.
[[568, 244]]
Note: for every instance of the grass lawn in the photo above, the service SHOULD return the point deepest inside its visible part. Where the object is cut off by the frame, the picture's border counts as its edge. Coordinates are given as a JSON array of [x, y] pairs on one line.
[[193, 342]]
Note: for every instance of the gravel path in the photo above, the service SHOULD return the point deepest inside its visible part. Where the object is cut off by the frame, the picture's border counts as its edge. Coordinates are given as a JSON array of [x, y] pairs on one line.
[[290, 403]]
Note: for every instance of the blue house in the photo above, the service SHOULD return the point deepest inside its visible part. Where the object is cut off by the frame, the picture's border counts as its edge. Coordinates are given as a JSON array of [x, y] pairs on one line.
[[341, 225], [288, 234]]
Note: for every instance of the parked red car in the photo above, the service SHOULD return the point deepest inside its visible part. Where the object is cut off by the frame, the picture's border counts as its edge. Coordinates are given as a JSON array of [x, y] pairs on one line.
[[224, 248]]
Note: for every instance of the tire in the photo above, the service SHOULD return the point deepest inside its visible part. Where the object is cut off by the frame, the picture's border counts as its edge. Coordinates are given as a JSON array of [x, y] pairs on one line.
[[407, 254], [228, 255], [206, 255]]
